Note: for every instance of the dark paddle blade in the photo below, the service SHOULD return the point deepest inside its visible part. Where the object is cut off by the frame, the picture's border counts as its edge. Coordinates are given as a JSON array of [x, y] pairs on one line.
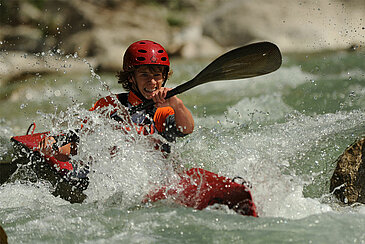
[[244, 62]]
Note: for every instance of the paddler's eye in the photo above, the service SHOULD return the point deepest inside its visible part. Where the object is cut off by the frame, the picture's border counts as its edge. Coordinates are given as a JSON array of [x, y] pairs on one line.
[[144, 75]]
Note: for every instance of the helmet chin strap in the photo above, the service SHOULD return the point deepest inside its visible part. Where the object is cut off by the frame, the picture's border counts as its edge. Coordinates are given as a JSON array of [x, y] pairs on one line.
[[166, 74]]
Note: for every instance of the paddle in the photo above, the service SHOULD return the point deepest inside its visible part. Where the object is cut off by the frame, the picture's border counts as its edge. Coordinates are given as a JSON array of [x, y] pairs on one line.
[[244, 62]]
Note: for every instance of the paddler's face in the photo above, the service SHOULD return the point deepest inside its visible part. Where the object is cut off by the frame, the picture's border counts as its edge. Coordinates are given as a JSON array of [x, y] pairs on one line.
[[147, 80]]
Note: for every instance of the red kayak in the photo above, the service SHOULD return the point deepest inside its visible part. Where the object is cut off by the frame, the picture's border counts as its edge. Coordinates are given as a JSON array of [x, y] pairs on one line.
[[69, 183], [197, 188]]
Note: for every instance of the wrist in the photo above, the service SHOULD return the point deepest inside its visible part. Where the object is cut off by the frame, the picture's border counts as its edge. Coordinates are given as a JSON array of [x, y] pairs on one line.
[[176, 103]]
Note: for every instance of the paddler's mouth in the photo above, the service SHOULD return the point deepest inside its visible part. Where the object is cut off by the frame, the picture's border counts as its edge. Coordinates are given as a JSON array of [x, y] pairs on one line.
[[150, 90]]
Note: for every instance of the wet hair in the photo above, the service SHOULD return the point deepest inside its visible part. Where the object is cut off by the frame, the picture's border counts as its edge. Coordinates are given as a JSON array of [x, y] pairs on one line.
[[124, 76]]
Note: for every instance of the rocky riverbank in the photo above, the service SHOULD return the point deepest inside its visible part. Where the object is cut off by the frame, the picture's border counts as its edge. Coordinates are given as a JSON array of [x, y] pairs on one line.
[[98, 31], [348, 179]]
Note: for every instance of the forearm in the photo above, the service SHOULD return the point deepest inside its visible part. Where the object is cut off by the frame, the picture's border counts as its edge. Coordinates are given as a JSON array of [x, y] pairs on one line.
[[183, 118]]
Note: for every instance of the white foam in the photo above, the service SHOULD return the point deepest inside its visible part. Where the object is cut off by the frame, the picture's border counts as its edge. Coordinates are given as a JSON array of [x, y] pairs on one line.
[[263, 156], [28, 195]]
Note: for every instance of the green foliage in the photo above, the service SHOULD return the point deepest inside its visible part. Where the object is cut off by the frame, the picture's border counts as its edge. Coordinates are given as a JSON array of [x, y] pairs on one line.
[[175, 21], [38, 3], [9, 10], [170, 4], [6, 10]]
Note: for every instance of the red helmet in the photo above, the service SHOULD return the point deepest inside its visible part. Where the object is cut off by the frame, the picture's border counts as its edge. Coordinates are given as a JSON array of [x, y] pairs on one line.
[[144, 52]]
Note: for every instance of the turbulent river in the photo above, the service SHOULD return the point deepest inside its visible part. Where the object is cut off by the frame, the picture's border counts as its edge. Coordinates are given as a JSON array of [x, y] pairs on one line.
[[282, 132]]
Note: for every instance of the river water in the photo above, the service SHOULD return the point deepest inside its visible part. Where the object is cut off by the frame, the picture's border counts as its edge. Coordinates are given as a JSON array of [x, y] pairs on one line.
[[282, 132]]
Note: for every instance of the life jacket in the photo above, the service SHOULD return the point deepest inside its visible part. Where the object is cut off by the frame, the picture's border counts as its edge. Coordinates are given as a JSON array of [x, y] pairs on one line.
[[148, 121]]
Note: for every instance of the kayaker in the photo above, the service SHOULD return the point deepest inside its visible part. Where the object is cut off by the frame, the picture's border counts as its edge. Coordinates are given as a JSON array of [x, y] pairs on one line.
[[146, 68]]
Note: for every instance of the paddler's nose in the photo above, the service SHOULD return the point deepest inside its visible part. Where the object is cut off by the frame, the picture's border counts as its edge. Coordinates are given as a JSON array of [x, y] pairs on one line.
[[153, 81]]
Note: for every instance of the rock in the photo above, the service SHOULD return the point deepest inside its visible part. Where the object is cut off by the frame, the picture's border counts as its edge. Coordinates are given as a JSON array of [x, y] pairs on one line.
[[113, 30], [190, 43], [102, 29], [63, 18], [109, 50], [348, 180], [205, 47], [3, 236], [81, 43], [294, 25], [28, 13], [32, 30], [15, 65], [21, 37]]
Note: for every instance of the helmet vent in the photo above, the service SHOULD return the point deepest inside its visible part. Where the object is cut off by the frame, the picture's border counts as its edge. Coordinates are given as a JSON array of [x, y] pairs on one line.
[[142, 51], [160, 51], [142, 43], [141, 58], [163, 58]]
